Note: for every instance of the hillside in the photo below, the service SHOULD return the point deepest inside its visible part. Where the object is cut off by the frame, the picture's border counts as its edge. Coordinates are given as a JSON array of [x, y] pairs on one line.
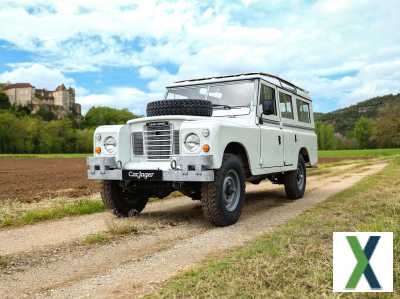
[[344, 119]]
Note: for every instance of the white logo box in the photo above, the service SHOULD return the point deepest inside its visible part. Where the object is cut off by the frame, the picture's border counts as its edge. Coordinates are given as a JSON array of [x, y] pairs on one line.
[[344, 261]]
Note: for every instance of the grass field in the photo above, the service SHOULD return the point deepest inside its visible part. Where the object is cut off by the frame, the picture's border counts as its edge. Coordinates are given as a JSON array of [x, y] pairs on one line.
[[382, 152], [296, 260], [323, 154]]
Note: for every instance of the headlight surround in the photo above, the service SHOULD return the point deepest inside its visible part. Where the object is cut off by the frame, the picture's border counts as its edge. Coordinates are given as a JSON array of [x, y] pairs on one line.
[[110, 144], [192, 142]]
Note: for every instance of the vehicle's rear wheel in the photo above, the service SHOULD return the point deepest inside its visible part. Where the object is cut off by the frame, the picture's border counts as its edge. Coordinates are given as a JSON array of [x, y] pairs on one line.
[[222, 200], [295, 181], [120, 202]]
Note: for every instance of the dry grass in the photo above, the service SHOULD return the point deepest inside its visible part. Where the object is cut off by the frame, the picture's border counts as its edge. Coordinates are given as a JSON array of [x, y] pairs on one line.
[[116, 228], [97, 238], [123, 227], [14, 214], [296, 260]]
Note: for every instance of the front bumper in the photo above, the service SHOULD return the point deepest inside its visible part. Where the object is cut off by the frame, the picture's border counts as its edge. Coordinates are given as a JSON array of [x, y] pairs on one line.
[[189, 169]]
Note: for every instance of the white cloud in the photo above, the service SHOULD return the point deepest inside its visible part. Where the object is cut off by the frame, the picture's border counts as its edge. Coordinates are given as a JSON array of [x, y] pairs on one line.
[[119, 97], [38, 75], [148, 72], [302, 42]]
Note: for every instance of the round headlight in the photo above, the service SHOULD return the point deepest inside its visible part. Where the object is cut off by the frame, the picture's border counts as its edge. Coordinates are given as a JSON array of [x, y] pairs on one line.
[[192, 142], [110, 144]]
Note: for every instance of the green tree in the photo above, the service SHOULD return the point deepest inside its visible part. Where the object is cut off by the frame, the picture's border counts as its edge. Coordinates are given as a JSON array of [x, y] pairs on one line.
[[4, 101], [326, 136], [84, 142], [46, 114], [98, 116], [363, 132], [387, 133], [11, 131]]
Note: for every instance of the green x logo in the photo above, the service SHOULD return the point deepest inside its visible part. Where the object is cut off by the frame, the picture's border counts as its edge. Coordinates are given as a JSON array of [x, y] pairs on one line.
[[363, 266]]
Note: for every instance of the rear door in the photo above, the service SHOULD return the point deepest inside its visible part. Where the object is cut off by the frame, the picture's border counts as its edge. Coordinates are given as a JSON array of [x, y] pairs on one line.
[[271, 145], [286, 108]]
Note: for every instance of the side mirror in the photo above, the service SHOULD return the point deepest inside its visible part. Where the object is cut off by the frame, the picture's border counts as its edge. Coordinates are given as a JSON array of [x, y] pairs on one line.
[[268, 107]]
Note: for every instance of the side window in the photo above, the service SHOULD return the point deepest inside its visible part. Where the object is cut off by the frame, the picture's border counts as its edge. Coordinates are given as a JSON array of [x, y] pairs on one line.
[[303, 111], [267, 100], [285, 105]]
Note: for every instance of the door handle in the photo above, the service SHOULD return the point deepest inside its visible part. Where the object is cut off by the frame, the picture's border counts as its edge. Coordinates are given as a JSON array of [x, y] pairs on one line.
[[279, 139]]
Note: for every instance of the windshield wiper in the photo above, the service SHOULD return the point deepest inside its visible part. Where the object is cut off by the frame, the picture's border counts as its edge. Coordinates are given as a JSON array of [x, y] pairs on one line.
[[222, 106], [227, 107]]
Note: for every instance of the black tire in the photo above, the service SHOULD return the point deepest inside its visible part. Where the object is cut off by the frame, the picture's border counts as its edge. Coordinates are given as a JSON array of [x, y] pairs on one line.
[[295, 185], [213, 201], [179, 107], [121, 203]]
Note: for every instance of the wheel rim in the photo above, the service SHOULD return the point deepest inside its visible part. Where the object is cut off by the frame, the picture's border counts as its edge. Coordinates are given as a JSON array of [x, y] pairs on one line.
[[231, 190], [300, 176]]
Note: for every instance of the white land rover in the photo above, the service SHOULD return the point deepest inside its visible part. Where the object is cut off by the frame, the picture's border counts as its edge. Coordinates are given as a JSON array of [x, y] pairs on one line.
[[206, 139]]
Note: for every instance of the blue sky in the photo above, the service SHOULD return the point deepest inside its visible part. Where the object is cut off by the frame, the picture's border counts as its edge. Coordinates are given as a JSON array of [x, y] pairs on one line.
[[122, 53]]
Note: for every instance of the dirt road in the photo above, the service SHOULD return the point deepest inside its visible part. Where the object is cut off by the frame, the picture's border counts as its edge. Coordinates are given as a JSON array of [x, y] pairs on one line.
[[176, 239]]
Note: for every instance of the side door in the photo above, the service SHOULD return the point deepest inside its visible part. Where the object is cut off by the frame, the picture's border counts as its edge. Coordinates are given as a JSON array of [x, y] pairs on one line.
[[271, 144], [286, 108]]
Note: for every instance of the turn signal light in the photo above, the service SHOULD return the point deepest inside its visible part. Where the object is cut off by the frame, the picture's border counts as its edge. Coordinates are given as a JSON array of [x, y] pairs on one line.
[[206, 148], [98, 150]]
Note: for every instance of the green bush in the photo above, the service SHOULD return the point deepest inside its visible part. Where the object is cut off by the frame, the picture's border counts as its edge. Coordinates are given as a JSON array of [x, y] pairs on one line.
[[98, 116]]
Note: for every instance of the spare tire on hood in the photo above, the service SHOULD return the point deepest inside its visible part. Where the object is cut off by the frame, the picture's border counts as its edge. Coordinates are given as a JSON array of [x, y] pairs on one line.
[[179, 107]]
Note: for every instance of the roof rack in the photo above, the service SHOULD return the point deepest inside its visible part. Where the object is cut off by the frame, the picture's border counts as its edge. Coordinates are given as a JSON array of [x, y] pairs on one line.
[[281, 81]]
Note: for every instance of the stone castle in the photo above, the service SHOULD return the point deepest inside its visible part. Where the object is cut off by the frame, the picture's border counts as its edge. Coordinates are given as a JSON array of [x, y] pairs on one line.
[[61, 101]]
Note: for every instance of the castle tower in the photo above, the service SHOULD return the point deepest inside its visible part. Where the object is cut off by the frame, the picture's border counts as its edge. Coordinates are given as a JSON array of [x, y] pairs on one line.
[[62, 97]]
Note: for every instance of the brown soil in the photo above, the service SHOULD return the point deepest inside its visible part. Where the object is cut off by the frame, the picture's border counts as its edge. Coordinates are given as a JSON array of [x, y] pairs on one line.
[[36, 179]]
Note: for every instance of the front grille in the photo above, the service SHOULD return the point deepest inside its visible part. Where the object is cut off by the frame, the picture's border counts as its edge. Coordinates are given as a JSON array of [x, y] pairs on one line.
[[176, 142], [137, 142], [158, 140]]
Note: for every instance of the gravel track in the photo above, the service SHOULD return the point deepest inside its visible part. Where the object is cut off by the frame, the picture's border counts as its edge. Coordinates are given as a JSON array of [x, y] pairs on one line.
[[137, 264]]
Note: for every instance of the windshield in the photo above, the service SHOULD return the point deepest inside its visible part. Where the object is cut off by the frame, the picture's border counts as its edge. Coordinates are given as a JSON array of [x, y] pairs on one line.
[[220, 94]]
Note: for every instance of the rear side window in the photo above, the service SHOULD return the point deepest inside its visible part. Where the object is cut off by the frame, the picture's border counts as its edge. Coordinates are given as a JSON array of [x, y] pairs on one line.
[[285, 105], [303, 111], [267, 98]]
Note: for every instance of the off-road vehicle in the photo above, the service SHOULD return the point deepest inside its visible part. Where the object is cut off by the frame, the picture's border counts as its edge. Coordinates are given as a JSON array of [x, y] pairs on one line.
[[207, 138]]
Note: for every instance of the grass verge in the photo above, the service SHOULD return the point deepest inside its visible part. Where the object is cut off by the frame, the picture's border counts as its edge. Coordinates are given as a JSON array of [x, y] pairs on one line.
[[58, 210], [296, 260]]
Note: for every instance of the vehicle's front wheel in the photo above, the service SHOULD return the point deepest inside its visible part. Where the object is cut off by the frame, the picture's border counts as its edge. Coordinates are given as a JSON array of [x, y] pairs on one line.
[[295, 181], [120, 202], [222, 200]]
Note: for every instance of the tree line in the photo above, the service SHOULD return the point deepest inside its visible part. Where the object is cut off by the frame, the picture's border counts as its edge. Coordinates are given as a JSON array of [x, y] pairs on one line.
[[380, 132], [24, 132]]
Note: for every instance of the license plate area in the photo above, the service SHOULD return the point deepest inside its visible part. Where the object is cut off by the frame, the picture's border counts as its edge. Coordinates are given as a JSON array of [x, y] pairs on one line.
[[142, 175]]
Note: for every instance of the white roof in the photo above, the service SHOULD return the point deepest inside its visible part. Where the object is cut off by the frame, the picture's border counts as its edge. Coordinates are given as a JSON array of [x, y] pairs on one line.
[[282, 83]]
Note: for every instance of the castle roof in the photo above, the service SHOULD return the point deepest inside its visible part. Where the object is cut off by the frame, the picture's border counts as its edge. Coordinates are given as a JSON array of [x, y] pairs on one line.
[[17, 85], [60, 87]]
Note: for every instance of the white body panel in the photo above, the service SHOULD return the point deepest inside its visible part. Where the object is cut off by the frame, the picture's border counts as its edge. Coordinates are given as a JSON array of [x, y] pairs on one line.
[[272, 145]]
